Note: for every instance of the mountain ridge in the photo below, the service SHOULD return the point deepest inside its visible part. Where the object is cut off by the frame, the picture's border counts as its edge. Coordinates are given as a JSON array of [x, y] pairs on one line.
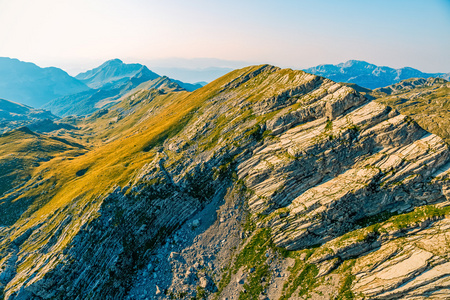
[[369, 75], [114, 70], [267, 182], [29, 84], [109, 83], [426, 100]]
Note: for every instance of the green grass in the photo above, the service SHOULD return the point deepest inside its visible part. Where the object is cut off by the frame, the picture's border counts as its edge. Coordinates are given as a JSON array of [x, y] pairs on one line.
[[251, 257], [253, 254], [431, 110], [224, 281], [329, 125], [419, 214], [345, 292], [302, 277], [22, 152], [201, 294], [381, 217], [256, 285]]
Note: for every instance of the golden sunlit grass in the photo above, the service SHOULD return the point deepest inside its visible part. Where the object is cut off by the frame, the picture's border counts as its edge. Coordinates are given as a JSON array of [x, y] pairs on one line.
[[113, 163], [122, 148], [21, 151]]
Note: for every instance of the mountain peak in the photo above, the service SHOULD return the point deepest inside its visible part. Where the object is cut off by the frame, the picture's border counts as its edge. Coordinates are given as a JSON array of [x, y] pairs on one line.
[[354, 62], [114, 71], [112, 62], [115, 60], [366, 74]]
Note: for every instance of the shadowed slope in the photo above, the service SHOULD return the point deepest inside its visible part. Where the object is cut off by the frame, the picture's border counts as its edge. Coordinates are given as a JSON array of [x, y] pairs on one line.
[[308, 160]]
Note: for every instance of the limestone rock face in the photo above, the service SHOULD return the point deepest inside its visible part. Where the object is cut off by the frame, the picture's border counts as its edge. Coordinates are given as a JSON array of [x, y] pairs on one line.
[[274, 183], [418, 270], [322, 180]]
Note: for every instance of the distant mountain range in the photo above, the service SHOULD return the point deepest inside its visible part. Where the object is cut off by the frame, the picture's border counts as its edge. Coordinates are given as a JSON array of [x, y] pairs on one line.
[[12, 111], [63, 95], [31, 85], [108, 83], [369, 75], [55, 90], [115, 73]]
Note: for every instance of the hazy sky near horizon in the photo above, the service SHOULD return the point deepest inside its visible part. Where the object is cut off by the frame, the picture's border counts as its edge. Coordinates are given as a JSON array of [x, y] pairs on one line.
[[77, 35]]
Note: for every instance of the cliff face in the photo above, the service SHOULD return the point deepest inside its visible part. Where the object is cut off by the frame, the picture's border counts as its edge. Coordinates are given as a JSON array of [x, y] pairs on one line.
[[266, 183]]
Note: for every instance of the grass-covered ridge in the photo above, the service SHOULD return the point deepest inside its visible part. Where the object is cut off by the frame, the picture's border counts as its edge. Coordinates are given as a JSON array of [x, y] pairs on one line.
[[77, 182], [175, 149], [426, 101]]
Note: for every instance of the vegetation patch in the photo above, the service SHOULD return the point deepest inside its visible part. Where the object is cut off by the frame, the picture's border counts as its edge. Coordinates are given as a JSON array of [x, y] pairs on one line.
[[302, 277], [420, 214], [81, 172], [345, 270], [252, 255], [381, 217], [329, 125], [258, 280], [201, 293]]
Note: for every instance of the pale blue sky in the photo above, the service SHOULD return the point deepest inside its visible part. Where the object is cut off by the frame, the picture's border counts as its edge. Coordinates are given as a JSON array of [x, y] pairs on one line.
[[76, 35]]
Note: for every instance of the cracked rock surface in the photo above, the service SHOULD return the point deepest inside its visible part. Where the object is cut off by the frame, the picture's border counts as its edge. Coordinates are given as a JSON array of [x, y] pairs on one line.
[[278, 184]]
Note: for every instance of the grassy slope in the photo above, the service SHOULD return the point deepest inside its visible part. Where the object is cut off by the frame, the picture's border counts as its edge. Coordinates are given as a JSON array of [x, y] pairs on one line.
[[64, 193], [112, 163], [124, 147], [21, 153], [428, 105]]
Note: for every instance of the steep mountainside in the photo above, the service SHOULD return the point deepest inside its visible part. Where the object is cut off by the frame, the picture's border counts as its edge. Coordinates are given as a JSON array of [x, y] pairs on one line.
[[369, 75], [21, 151], [266, 183], [29, 84]]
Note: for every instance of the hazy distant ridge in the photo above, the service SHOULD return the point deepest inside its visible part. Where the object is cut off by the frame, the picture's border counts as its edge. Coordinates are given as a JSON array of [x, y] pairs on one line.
[[14, 115], [109, 82], [31, 85], [114, 72], [369, 75]]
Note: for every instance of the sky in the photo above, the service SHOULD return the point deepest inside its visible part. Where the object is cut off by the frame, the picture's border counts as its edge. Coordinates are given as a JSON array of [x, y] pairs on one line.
[[79, 35]]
